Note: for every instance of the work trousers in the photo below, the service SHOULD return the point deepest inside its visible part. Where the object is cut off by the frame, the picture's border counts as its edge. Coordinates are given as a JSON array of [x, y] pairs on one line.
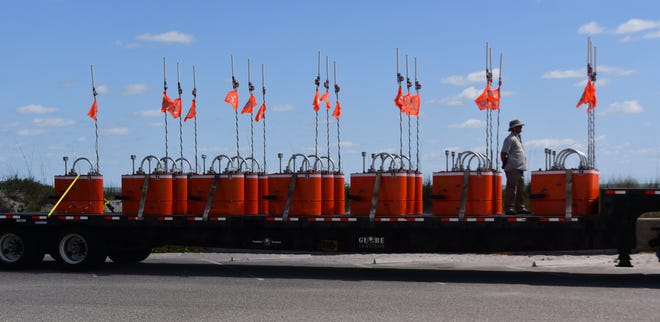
[[513, 194]]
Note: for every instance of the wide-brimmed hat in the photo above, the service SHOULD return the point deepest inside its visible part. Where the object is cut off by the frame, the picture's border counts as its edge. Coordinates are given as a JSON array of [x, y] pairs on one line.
[[514, 124]]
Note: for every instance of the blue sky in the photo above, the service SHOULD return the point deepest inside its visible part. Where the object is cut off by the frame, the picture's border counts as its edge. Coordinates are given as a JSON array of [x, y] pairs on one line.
[[50, 45]]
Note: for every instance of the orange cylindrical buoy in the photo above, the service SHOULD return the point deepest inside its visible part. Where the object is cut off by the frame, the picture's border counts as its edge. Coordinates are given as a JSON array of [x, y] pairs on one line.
[[419, 194], [263, 193], [410, 193], [180, 194], [392, 193], [448, 193], [340, 194], [158, 197], [327, 194], [84, 197], [305, 197], [497, 192], [251, 193], [228, 198], [548, 189]]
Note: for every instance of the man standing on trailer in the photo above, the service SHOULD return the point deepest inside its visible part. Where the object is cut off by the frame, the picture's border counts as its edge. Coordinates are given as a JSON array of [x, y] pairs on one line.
[[514, 164]]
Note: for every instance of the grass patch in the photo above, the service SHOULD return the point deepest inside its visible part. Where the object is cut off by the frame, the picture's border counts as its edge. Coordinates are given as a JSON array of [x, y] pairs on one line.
[[23, 195]]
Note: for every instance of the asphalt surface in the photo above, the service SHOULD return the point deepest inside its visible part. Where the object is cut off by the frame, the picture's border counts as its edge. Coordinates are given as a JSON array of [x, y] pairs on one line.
[[371, 287]]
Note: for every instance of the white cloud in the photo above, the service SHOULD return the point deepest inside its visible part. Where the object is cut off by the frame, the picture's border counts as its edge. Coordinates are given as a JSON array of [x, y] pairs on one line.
[[469, 124], [615, 70], [471, 78], [348, 144], [31, 132], [283, 107], [116, 131], [172, 36], [635, 25], [469, 93], [102, 89], [135, 89], [53, 122], [627, 38], [149, 113], [591, 28], [627, 107], [551, 143], [652, 35], [36, 109], [558, 74]]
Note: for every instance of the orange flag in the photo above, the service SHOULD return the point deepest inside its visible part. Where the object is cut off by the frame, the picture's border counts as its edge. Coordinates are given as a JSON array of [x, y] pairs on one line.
[[337, 112], [398, 100], [326, 98], [405, 100], [232, 99], [251, 103], [316, 102], [482, 100], [167, 102], [94, 110], [494, 99], [175, 108], [192, 113], [415, 104], [588, 96], [261, 113]]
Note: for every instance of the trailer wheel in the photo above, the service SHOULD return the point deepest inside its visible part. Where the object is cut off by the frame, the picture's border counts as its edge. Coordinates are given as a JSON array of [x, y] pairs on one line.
[[78, 250], [19, 250], [129, 256]]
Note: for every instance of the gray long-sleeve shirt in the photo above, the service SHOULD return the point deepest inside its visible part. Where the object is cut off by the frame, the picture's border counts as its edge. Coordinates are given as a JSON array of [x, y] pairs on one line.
[[513, 147]]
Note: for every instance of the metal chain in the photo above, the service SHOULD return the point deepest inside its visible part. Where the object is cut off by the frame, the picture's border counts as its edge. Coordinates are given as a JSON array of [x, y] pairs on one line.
[[409, 147], [238, 153], [400, 133], [316, 137], [96, 128], [166, 143], [497, 141], [417, 128]]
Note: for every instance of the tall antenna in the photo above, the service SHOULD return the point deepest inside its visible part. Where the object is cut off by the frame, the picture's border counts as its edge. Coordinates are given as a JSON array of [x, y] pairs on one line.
[[178, 83], [235, 85], [337, 89], [194, 94], [408, 85], [96, 126], [591, 118], [399, 79], [165, 111], [418, 86], [263, 91]]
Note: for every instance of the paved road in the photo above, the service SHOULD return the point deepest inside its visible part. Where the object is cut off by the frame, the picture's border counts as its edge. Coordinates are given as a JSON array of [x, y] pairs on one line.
[[302, 287]]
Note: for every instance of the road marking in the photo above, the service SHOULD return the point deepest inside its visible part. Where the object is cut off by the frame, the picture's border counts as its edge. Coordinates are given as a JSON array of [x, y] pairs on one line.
[[235, 270]]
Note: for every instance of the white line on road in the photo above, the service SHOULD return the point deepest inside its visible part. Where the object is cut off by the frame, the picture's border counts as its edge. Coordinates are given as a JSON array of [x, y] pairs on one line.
[[241, 272]]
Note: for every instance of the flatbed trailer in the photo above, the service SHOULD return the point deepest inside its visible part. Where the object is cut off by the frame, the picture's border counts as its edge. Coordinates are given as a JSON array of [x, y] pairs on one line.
[[83, 241]]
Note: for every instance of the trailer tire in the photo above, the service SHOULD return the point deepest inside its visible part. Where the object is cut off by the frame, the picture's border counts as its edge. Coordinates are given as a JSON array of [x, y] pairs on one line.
[[79, 250], [130, 256], [19, 250]]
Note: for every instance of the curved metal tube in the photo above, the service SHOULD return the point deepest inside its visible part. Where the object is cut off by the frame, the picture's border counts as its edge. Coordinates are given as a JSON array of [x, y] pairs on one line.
[[253, 161], [330, 161], [149, 158], [293, 158], [219, 159], [181, 160], [383, 156], [560, 161], [92, 171]]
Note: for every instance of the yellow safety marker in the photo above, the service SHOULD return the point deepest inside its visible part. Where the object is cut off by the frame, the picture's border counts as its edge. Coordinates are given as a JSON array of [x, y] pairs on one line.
[[64, 195]]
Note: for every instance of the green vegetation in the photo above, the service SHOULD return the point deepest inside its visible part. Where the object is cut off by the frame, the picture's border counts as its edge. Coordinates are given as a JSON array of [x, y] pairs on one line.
[[629, 182], [23, 195]]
